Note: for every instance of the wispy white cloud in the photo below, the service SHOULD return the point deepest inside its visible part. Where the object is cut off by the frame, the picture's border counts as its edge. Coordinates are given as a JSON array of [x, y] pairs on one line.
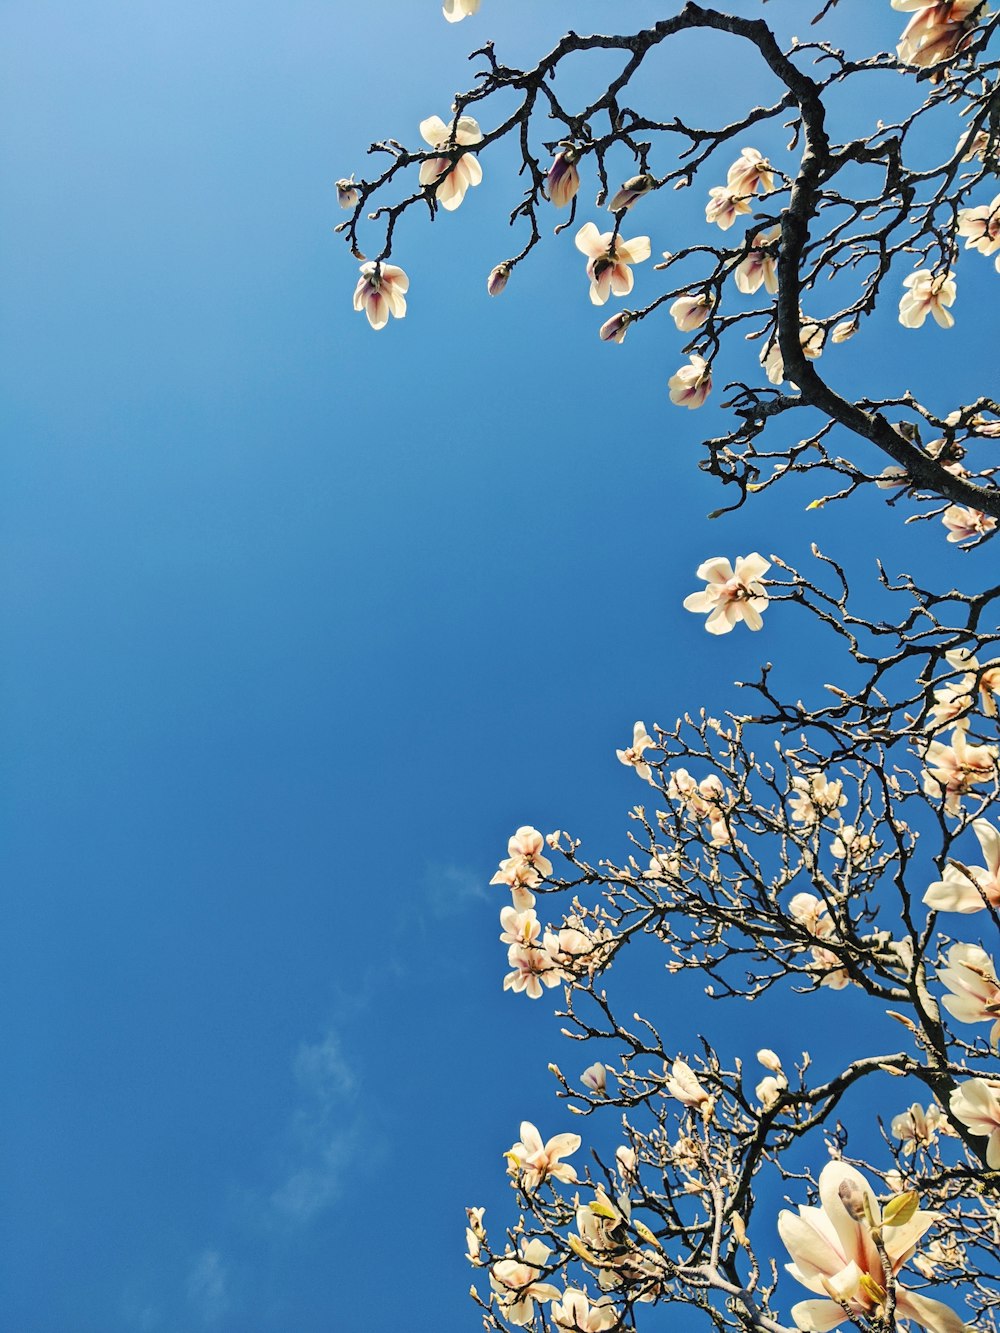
[[323, 1129], [449, 888], [208, 1287]]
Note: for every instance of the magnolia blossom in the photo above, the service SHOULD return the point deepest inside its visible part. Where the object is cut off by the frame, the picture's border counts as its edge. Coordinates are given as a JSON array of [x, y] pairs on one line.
[[626, 1161], [524, 867], [769, 1059], [965, 524], [450, 180], [534, 1161], [608, 261], [971, 978], [769, 1090], [497, 279], [731, 595], [683, 1084], [773, 362], [846, 329], [759, 269], [516, 1282], [814, 797], [595, 1077], [631, 191], [951, 771], [576, 1314], [519, 927], [531, 969], [834, 1255], [632, 756], [749, 170], [918, 1128], [690, 312], [615, 328], [577, 949], [563, 180], [976, 1102], [927, 294], [811, 912], [981, 228], [970, 888], [347, 193], [725, 205], [954, 700], [974, 143], [937, 31], [475, 1234], [692, 384], [380, 292], [851, 845], [456, 10]]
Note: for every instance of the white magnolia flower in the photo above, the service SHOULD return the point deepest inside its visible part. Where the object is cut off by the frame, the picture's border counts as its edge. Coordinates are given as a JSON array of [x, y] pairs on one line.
[[927, 294], [683, 1084], [976, 1103], [951, 771], [380, 293], [835, 1256], [609, 260], [731, 595], [918, 1128], [516, 1282], [971, 978], [691, 385], [456, 10], [632, 756], [533, 1161], [969, 888], [450, 180]]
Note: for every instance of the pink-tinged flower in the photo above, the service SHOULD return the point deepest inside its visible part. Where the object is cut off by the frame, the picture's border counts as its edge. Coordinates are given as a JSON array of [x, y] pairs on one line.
[[917, 1128], [525, 865], [938, 31], [760, 268], [379, 292], [683, 1084], [690, 312], [631, 191], [533, 1161], [450, 180], [632, 756], [615, 328], [955, 700], [608, 261], [497, 280], [927, 294], [834, 1255], [852, 846], [981, 227], [951, 771], [971, 978], [977, 1104], [531, 968], [516, 1282], [577, 949], [749, 170], [627, 1163], [347, 193], [519, 927], [563, 180], [731, 595], [811, 912], [692, 384], [969, 888], [828, 967], [576, 1314], [456, 10], [725, 205], [595, 1077], [965, 524], [814, 797]]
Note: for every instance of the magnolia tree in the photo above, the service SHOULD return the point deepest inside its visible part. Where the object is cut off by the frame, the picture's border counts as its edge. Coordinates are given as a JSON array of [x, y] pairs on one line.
[[848, 842]]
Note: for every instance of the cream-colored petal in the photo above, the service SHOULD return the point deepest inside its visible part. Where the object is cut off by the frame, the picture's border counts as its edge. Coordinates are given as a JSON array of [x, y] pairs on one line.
[[434, 131]]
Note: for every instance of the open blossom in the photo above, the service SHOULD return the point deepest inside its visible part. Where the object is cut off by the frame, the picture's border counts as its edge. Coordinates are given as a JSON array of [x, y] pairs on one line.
[[965, 524], [977, 1104], [955, 699], [576, 1314], [725, 205], [631, 191], [690, 312], [937, 31], [969, 888], [516, 1282], [692, 384], [851, 845], [632, 756], [811, 912], [814, 797], [525, 865], [927, 294], [834, 1255], [450, 180], [981, 227], [951, 771], [456, 10], [531, 969], [759, 269], [563, 180], [974, 997], [731, 595], [577, 949], [534, 1161], [749, 170], [608, 261], [683, 1084], [347, 193], [519, 927], [704, 800], [917, 1128], [380, 293]]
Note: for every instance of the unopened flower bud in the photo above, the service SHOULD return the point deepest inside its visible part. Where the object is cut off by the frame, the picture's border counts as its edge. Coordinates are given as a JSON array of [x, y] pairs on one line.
[[631, 191], [769, 1060], [497, 280], [563, 179], [347, 193], [615, 328]]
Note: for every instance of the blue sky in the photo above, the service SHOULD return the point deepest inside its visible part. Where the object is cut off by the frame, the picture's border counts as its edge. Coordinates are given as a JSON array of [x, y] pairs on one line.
[[301, 622]]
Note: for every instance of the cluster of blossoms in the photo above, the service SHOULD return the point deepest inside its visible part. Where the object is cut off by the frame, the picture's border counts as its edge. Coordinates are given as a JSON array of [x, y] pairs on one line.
[[813, 915], [939, 29], [703, 800], [955, 700], [917, 1128], [726, 202], [952, 770], [814, 798], [541, 956]]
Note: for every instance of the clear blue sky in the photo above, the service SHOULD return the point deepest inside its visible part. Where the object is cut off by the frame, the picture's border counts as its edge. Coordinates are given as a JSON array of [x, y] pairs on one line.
[[300, 623]]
